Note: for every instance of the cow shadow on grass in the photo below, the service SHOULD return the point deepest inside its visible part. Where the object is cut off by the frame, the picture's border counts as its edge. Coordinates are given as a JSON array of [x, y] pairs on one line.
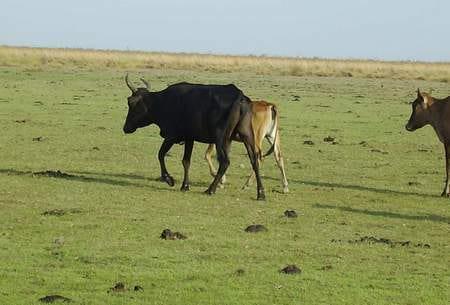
[[429, 217], [356, 187], [98, 177], [138, 177], [77, 176]]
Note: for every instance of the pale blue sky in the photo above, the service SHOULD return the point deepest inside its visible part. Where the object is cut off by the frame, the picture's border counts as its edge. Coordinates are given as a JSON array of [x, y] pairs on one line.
[[382, 29]]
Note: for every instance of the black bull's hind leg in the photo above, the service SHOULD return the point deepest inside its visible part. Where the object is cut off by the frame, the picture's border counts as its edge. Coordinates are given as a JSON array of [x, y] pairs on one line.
[[222, 149], [165, 147], [188, 145]]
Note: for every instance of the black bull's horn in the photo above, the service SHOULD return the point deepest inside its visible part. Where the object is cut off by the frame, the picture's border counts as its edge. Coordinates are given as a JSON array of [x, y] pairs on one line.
[[145, 83], [129, 85]]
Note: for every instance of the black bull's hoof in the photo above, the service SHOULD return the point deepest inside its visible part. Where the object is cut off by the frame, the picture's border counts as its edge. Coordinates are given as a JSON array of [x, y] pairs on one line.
[[261, 195], [168, 179], [184, 187], [209, 192]]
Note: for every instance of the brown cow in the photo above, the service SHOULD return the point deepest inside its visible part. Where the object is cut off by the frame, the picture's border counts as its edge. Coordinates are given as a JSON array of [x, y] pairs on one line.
[[436, 112], [265, 124]]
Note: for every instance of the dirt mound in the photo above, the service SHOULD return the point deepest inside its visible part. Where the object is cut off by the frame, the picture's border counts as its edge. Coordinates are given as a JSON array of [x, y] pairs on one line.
[[255, 228], [118, 287], [60, 212], [167, 234], [386, 241], [38, 139], [290, 269], [240, 272], [53, 174], [290, 214], [54, 298]]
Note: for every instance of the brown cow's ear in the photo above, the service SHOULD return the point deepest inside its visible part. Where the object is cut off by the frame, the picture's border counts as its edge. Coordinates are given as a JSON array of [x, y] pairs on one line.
[[424, 101], [418, 93]]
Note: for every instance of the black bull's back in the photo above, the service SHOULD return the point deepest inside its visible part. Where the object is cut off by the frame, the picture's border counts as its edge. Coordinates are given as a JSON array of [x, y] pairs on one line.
[[202, 113]]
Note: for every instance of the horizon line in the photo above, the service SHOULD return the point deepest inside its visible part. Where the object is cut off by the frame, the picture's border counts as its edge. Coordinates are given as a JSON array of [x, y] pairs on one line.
[[355, 59]]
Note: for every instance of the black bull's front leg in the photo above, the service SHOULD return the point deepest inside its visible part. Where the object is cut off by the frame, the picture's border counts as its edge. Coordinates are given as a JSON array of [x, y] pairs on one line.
[[188, 145], [165, 147]]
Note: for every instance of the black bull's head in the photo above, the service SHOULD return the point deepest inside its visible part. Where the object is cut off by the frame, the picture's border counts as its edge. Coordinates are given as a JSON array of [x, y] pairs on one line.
[[138, 112]]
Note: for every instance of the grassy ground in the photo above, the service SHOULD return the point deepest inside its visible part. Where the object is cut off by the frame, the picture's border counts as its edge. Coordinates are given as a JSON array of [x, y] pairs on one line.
[[377, 181]]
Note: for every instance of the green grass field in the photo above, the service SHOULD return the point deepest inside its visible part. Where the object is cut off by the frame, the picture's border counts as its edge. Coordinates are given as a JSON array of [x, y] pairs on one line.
[[377, 181]]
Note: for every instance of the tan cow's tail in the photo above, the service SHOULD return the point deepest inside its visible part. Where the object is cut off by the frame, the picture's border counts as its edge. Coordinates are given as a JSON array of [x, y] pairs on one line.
[[275, 125]]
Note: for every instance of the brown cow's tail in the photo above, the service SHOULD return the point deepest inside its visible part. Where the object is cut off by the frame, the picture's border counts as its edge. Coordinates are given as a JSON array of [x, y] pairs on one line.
[[275, 125]]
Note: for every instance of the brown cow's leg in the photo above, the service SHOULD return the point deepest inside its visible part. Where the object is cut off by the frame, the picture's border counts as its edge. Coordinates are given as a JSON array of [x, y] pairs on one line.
[[165, 147], [188, 145], [280, 163], [212, 170], [446, 192], [250, 146]]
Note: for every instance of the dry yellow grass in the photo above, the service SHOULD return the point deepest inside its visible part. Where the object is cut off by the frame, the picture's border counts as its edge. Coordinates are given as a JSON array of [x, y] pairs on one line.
[[41, 58]]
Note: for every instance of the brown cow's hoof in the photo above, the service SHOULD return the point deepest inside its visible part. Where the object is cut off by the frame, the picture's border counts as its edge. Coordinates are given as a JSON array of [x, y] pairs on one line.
[[185, 187], [168, 179], [444, 194]]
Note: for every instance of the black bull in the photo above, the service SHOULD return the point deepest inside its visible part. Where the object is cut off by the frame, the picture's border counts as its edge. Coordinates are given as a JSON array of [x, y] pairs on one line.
[[191, 112]]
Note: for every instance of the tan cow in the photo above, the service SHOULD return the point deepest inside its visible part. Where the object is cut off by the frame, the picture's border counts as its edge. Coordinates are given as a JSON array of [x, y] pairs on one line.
[[436, 112], [265, 124]]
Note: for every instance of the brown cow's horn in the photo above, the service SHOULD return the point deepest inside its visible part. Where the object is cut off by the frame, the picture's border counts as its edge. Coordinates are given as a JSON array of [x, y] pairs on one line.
[[129, 85], [145, 83]]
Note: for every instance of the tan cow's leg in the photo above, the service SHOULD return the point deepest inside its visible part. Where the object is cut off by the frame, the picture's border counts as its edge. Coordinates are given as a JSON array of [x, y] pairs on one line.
[[280, 163], [208, 157]]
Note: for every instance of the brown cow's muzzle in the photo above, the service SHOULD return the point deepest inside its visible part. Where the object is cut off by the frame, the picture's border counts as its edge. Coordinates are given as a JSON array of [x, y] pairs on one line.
[[409, 127]]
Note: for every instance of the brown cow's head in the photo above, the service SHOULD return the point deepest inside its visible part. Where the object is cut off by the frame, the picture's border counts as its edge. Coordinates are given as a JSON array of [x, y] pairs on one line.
[[138, 112], [420, 112]]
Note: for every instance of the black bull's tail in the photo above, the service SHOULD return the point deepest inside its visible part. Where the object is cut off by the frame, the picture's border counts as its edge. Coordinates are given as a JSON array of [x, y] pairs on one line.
[[275, 125]]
